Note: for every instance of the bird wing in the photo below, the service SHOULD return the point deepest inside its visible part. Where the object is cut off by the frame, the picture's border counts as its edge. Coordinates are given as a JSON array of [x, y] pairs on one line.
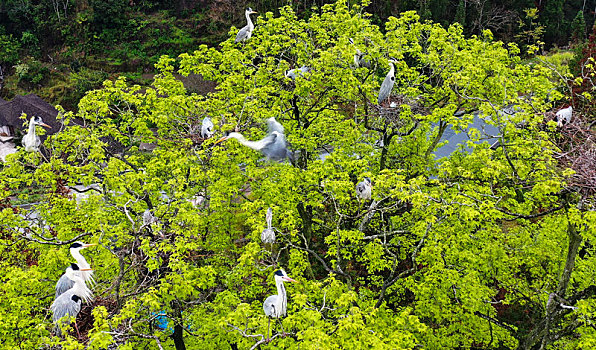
[[360, 187], [386, 88], [64, 284], [275, 148], [274, 125], [268, 236], [207, 127], [64, 305], [243, 34], [269, 306]]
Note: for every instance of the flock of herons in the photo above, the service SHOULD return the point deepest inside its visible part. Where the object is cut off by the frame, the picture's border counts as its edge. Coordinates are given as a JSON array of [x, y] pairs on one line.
[[74, 287]]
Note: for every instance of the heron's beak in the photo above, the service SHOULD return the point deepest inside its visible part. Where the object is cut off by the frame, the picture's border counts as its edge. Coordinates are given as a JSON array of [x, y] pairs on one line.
[[89, 245], [220, 140], [254, 12], [290, 280], [85, 269], [46, 125]]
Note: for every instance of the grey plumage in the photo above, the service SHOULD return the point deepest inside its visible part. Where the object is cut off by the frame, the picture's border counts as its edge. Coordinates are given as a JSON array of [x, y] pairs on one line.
[[387, 86], [65, 283], [246, 31], [364, 189], [276, 305], [273, 146], [359, 60], [268, 235], [296, 72], [68, 304], [207, 128]]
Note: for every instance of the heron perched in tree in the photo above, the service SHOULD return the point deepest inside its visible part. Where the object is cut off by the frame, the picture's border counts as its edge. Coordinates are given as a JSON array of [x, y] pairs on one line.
[[246, 31], [75, 251], [364, 189], [268, 235], [31, 141], [207, 128], [563, 116], [68, 304], [66, 282], [273, 146], [296, 72], [359, 60], [387, 85], [275, 306]]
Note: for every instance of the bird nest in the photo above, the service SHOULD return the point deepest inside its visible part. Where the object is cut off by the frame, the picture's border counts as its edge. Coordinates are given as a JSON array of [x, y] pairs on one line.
[[577, 151], [85, 318], [392, 110]]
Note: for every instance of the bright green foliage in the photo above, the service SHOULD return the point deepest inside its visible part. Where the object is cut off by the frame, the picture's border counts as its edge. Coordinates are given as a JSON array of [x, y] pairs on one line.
[[457, 252]]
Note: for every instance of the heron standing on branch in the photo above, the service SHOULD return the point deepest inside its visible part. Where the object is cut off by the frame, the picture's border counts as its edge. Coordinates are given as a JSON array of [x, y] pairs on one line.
[[268, 235], [275, 306], [31, 141], [245, 33], [364, 189], [206, 128], [68, 304], [388, 83]]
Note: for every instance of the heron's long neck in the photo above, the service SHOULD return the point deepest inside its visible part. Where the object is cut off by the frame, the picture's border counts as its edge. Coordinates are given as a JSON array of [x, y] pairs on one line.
[[269, 218], [282, 300], [392, 70], [249, 20], [80, 289], [76, 254], [256, 145], [31, 127]]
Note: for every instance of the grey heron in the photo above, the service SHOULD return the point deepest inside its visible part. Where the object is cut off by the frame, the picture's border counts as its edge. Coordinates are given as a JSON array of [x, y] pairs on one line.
[[31, 141], [359, 60], [68, 304], [273, 146], [364, 189], [207, 128], [75, 251], [66, 282], [296, 72], [275, 306], [563, 116], [246, 31], [387, 86], [268, 235]]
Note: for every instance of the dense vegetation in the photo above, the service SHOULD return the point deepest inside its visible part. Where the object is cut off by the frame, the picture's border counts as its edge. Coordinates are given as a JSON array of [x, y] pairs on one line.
[[489, 248], [62, 48]]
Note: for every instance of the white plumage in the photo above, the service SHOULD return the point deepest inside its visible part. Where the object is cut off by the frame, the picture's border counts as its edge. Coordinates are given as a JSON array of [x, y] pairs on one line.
[[364, 189], [296, 72], [275, 306], [31, 141], [246, 31], [68, 304], [268, 235], [273, 146], [563, 116], [207, 128], [66, 282], [75, 251]]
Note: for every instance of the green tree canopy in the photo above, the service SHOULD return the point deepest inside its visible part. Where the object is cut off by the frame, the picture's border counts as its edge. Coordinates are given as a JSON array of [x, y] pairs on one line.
[[485, 248]]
